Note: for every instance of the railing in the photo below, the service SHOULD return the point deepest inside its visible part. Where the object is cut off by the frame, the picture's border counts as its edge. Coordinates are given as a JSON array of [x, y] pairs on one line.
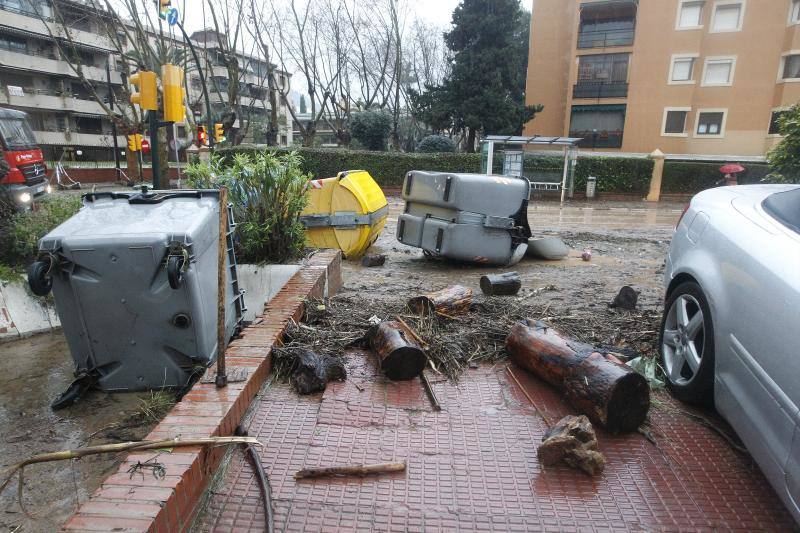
[[601, 139], [600, 90], [605, 39]]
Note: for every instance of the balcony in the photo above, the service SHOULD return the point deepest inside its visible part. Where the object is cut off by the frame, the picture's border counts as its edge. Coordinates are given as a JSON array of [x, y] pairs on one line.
[[605, 38], [52, 101], [31, 23], [600, 90], [48, 64], [72, 138], [602, 139]]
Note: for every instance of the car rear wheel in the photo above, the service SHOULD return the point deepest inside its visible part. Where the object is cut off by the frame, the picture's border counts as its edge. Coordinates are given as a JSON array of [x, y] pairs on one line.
[[687, 345]]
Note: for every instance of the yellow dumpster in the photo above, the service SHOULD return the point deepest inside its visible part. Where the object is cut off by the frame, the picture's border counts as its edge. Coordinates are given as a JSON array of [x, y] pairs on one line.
[[347, 212]]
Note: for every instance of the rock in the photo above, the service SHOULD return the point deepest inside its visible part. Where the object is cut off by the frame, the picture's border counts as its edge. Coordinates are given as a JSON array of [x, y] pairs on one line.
[[373, 260], [547, 248], [626, 299], [572, 441], [312, 372], [587, 255]]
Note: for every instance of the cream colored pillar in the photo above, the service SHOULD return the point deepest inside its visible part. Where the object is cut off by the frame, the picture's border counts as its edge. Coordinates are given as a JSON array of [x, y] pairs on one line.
[[658, 174]]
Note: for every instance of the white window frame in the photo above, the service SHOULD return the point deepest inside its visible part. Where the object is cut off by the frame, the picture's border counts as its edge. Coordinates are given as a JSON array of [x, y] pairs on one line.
[[719, 3], [678, 26], [769, 123], [722, 128], [676, 57], [782, 66], [719, 59], [685, 133], [792, 4]]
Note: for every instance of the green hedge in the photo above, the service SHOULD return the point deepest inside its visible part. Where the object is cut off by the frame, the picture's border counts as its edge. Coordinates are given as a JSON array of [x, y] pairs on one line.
[[692, 176], [614, 174]]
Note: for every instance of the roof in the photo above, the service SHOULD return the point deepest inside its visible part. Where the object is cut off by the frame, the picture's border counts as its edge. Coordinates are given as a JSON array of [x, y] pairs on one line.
[[538, 140]]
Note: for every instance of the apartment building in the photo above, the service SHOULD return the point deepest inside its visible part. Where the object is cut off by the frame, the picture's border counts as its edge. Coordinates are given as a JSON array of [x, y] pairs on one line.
[[693, 77], [65, 116]]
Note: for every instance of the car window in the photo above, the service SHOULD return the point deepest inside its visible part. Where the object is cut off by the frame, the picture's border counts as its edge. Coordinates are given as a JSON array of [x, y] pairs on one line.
[[785, 206]]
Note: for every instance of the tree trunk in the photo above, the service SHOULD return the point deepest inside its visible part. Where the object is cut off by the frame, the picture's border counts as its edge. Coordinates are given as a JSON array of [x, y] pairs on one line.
[[453, 300], [610, 394], [471, 141], [507, 284], [400, 356]]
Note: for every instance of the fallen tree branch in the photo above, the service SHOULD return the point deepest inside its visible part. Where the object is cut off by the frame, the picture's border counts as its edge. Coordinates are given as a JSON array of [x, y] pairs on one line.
[[357, 470], [114, 448], [541, 413], [431, 394]]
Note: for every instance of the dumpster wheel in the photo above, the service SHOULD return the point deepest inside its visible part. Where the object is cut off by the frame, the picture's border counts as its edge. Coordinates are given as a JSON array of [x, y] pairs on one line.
[[39, 279], [175, 271]]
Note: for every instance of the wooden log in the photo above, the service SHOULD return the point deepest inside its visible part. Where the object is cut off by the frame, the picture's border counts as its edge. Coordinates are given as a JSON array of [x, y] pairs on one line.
[[356, 470], [507, 284], [451, 301], [401, 357], [612, 395], [312, 372]]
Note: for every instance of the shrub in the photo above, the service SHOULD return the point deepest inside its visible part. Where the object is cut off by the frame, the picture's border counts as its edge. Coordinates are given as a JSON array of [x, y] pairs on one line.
[[785, 157], [694, 176], [371, 128], [267, 190], [27, 228], [436, 144]]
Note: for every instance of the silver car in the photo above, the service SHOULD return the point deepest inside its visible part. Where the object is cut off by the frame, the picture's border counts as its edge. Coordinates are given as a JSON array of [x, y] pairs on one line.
[[731, 329]]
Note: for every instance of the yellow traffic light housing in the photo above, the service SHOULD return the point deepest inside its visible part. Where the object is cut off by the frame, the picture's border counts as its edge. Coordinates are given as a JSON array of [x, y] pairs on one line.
[[146, 95], [135, 142], [219, 133], [164, 4], [172, 83]]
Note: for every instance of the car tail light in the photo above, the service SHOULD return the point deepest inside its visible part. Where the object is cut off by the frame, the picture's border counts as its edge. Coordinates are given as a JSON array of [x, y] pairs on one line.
[[685, 210]]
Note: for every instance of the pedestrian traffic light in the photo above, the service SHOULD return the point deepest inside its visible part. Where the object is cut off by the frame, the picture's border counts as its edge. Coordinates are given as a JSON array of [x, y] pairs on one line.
[[172, 83], [135, 142], [202, 136], [146, 95], [219, 133]]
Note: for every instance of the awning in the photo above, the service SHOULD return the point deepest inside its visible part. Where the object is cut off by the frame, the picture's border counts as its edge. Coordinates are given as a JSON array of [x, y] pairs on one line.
[[609, 9], [536, 140], [602, 108]]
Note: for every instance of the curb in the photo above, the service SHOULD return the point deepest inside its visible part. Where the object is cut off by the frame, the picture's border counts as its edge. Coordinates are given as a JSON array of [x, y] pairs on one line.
[[23, 314], [138, 503]]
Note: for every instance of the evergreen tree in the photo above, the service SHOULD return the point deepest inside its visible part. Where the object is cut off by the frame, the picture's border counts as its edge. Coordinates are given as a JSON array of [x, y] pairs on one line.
[[785, 157], [303, 107], [485, 90]]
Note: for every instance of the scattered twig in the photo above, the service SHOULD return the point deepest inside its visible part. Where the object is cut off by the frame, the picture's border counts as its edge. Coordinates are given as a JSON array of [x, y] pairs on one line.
[[541, 413], [158, 469], [413, 333], [431, 394], [357, 470]]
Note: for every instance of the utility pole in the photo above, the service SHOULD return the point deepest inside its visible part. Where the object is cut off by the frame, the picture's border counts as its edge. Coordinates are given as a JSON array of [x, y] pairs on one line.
[[113, 120]]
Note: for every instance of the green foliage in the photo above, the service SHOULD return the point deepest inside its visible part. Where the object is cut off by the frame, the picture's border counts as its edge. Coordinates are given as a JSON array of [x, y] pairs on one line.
[[436, 144], [24, 230], [486, 87], [267, 190], [371, 128], [9, 274], [615, 174], [694, 176], [785, 157]]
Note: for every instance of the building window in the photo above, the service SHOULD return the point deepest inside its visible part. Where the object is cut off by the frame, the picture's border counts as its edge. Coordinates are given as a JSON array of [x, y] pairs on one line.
[[682, 70], [602, 76], [711, 123], [727, 16], [719, 71], [794, 12], [675, 121], [690, 15], [600, 126], [605, 24], [790, 68], [13, 44], [774, 121]]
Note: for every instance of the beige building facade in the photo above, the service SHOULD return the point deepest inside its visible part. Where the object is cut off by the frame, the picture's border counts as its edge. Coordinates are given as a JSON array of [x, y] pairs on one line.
[[694, 77]]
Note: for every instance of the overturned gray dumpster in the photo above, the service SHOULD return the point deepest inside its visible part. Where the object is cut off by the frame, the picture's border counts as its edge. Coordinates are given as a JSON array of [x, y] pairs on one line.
[[466, 217], [134, 276]]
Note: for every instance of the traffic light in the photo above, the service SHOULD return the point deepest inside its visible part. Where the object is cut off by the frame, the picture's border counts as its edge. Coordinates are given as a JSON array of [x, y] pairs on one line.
[[172, 83], [135, 142], [202, 136], [219, 134], [146, 95]]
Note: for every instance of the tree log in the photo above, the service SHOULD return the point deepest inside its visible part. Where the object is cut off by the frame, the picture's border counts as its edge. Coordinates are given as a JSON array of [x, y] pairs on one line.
[[612, 395], [357, 470], [507, 284], [453, 300], [313, 372], [400, 356]]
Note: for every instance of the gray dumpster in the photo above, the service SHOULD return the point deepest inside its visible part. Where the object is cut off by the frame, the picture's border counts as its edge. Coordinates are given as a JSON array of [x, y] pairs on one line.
[[466, 217], [134, 277]]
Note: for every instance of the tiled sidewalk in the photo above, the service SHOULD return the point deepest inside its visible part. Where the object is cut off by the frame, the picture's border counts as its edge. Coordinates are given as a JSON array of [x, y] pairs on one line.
[[473, 466]]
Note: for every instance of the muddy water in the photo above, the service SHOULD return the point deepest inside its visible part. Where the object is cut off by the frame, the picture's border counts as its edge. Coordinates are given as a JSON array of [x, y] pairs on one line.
[[628, 241], [33, 372]]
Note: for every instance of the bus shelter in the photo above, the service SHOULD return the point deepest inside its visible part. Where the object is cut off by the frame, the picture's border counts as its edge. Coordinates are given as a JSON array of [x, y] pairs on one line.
[[547, 174]]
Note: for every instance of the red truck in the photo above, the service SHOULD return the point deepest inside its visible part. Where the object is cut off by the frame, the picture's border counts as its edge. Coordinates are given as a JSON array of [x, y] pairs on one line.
[[27, 175]]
